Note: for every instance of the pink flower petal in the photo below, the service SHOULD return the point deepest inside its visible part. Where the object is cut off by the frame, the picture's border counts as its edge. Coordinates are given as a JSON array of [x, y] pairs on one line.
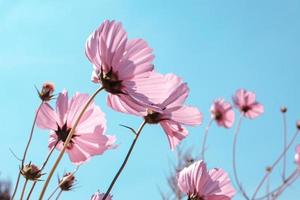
[[47, 117], [175, 132], [186, 115]]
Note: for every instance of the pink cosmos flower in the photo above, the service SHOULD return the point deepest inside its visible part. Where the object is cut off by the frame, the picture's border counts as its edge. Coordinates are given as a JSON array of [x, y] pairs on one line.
[[200, 184], [88, 139], [121, 65], [222, 113], [247, 104], [169, 110], [297, 155], [99, 196]]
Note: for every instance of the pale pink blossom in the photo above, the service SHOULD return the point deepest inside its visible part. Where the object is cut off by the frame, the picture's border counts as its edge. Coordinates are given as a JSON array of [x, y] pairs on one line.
[[121, 65], [297, 155], [199, 183], [169, 110], [88, 139], [99, 196], [246, 102], [222, 113]]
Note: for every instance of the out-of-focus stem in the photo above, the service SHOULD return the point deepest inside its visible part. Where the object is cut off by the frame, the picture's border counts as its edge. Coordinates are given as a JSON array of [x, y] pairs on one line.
[[234, 159], [26, 150], [275, 163], [66, 143], [125, 160], [284, 145], [205, 139]]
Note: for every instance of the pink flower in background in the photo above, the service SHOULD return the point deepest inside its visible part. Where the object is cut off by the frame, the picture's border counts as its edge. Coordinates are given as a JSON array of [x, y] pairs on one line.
[[99, 196], [222, 113], [198, 183], [169, 110], [297, 155], [121, 65], [88, 139], [247, 104]]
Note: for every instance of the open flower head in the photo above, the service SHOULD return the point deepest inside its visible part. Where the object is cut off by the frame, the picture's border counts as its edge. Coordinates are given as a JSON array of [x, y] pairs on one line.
[[222, 113], [246, 102], [202, 184], [89, 138], [121, 65], [168, 110]]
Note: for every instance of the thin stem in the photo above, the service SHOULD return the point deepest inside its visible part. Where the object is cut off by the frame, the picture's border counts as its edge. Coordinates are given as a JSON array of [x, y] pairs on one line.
[[42, 168], [288, 180], [66, 143], [268, 188], [205, 139], [125, 160], [285, 186], [31, 190], [284, 145], [234, 159], [275, 163], [26, 150], [59, 194], [24, 188]]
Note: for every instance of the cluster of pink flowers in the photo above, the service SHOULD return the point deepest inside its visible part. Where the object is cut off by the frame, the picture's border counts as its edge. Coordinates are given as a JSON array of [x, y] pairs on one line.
[[124, 68]]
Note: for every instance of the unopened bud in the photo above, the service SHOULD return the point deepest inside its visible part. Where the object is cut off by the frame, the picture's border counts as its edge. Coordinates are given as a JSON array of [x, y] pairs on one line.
[[268, 169], [283, 109], [31, 172], [298, 124], [46, 93], [66, 183]]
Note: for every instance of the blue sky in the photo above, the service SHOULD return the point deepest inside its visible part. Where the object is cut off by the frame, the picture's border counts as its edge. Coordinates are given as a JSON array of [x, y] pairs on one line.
[[216, 46]]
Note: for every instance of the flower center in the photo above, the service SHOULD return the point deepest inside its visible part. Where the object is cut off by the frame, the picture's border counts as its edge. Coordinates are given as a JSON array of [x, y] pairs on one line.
[[245, 108], [218, 116], [63, 132], [195, 197], [152, 117], [110, 82]]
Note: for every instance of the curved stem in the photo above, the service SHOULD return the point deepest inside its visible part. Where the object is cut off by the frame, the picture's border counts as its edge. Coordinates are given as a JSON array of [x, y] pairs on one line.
[[26, 150], [24, 188], [42, 168], [66, 143], [275, 163], [205, 139], [284, 145], [125, 160], [287, 181], [234, 159]]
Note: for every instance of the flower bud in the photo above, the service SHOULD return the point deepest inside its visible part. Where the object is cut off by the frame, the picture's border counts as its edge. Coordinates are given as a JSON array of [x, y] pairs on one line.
[[298, 124], [31, 172], [99, 196], [46, 94], [66, 183], [283, 109]]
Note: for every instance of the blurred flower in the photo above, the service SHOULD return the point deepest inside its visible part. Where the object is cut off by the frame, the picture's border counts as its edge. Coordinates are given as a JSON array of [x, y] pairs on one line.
[[222, 113], [99, 196], [199, 184], [66, 183], [169, 110], [31, 172], [121, 66], [5, 188], [247, 104], [297, 155], [46, 93], [88, 139]]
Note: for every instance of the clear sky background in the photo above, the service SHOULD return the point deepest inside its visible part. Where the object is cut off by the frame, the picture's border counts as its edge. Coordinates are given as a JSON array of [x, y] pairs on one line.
[[216, 46]]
